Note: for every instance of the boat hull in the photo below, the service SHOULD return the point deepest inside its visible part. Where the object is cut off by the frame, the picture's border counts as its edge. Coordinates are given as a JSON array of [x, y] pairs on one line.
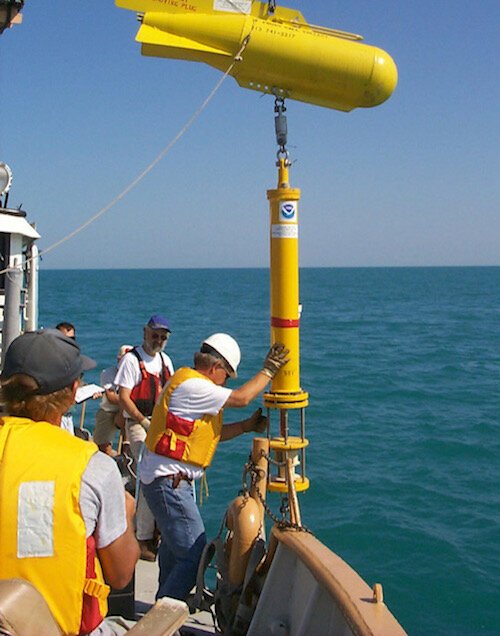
[[311, 590]]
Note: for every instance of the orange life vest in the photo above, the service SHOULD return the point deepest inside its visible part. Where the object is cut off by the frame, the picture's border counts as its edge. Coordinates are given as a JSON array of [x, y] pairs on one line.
[[192, 441], [42, 530], [145, 394]]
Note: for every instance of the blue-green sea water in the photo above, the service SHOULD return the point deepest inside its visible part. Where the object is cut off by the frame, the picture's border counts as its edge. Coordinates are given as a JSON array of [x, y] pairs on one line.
[[403, 371]]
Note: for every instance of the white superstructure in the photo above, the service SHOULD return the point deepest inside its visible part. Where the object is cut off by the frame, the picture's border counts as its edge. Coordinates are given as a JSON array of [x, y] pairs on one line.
[[18, 275]]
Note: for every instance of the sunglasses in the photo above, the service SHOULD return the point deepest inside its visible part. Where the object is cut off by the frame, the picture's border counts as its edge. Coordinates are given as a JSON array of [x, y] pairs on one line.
[[158, 336], [221, 366]]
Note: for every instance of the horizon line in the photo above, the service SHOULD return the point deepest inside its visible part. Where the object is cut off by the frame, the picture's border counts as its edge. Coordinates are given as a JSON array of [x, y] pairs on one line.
[[91, 269]]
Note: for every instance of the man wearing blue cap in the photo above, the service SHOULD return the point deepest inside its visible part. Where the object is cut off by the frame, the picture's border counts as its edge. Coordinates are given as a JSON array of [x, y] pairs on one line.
[[141, 376]]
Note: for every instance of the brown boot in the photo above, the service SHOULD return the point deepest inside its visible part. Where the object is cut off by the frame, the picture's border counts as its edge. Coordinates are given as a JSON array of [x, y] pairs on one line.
[[147, 553]]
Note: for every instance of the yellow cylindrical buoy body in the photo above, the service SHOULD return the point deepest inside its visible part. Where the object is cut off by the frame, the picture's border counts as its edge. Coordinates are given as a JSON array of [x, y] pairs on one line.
[[285, 391]]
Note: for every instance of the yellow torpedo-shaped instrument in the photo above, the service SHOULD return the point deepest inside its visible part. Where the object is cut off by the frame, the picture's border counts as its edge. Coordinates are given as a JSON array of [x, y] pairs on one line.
[[283, 56]]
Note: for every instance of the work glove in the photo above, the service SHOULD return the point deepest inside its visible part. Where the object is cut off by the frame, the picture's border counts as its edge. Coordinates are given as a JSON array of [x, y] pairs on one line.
[[275, 359], [256, 422], [145, 422]]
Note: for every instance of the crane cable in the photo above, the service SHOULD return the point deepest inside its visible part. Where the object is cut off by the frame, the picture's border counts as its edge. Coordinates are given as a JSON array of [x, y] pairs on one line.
[[237, 58]]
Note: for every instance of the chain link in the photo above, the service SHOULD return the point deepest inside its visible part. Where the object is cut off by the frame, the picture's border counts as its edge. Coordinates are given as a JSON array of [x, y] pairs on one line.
[[255, 472], [272, 461]]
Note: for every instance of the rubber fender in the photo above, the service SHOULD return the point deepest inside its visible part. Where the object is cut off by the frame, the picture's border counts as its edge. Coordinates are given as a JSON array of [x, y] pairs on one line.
[[243, 519]]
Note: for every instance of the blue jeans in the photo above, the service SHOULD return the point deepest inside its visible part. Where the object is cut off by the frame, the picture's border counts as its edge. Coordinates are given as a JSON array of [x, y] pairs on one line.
[[182, 535]]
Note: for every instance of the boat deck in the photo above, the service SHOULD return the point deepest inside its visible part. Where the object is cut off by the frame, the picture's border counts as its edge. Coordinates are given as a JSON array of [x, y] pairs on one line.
[[146, 584]]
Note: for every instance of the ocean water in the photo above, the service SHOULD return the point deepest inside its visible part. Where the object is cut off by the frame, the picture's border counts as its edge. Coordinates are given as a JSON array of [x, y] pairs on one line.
[[403, 370]]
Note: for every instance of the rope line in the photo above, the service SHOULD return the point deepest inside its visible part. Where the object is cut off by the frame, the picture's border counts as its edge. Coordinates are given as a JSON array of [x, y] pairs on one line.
[[150, 167]]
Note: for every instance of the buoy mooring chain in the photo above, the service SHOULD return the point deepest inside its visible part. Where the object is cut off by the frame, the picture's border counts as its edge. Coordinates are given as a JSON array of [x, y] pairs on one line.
[[294, 523]]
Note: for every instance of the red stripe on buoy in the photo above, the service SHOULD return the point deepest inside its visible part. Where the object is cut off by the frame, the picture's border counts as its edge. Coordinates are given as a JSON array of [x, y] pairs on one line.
[[284, 323]]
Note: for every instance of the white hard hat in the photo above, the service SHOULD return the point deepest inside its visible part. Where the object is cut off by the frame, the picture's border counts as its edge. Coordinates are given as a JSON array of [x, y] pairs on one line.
[[227, 347]]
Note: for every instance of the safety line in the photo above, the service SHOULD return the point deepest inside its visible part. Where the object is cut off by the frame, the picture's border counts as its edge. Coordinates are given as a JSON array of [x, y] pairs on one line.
[[150, 167]]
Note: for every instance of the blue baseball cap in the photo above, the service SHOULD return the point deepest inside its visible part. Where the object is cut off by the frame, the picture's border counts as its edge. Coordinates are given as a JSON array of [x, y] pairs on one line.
[[158, 322]]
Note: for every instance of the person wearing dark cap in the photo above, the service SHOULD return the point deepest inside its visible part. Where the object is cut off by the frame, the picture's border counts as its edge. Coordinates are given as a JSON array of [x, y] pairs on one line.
[[66, 523], [141, 376]]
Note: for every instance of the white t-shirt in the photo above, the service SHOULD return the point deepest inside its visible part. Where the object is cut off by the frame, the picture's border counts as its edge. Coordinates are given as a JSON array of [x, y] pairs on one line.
[[129, 372], [191, 400]]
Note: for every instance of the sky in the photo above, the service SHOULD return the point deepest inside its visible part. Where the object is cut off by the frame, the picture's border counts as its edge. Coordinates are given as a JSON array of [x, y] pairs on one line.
[[413, 182]]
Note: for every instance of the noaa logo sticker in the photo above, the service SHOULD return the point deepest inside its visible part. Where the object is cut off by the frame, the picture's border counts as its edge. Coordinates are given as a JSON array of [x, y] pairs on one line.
[[288, 211]]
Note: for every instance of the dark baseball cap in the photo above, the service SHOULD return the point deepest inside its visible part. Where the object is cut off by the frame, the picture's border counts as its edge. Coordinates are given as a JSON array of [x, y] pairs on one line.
[[158, 322], [47, 356]]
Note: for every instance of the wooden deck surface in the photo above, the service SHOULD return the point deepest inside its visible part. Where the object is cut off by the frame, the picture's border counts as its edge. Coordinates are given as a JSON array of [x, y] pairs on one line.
[[146, 583]]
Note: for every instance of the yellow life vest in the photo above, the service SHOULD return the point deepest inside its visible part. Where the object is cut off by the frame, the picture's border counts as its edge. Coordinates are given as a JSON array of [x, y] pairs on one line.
[[192, 441], [42, 530]]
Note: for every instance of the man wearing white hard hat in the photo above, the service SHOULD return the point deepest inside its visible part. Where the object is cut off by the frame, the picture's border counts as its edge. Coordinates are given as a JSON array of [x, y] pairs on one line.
[[186, 427]]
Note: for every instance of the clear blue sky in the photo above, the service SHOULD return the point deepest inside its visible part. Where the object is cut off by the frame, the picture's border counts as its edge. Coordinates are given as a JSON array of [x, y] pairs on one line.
[[415, 181]]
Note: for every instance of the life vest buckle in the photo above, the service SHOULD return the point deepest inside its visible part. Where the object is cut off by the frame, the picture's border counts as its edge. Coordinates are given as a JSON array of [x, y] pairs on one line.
[[92, 587]]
